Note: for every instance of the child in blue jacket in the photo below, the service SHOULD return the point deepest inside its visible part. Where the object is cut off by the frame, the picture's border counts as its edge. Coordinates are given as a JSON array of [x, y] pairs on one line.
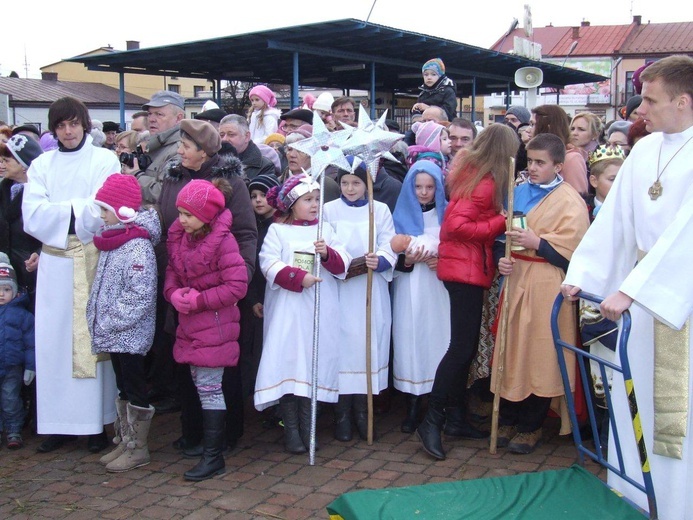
[[16, 353]]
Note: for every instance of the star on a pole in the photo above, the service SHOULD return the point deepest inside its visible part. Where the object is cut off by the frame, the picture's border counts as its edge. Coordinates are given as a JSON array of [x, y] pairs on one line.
[[371, 140], [324, 147]]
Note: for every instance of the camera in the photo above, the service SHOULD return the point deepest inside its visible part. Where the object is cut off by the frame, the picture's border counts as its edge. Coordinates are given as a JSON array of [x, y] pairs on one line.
[[143, 160]]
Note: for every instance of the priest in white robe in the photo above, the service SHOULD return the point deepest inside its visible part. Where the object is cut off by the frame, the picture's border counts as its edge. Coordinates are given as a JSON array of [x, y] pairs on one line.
[[638, 253], [75, 390]]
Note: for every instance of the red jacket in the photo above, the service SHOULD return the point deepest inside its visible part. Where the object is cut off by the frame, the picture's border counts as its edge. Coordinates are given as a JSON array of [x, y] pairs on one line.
[[208, 336], [469, 229]]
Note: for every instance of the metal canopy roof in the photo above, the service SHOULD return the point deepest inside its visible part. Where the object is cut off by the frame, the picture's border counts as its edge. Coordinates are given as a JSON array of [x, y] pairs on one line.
[[334, 54]]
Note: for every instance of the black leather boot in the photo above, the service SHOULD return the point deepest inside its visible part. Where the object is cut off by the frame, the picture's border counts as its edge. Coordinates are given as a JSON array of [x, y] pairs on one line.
[[304, 421], [288, 408], [212, 461], [361, 415], [342, 418], [411, 421], [429, 431], [457, 426]]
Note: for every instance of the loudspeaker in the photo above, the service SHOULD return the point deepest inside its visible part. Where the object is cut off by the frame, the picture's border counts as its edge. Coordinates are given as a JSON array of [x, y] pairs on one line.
[[529, 77]]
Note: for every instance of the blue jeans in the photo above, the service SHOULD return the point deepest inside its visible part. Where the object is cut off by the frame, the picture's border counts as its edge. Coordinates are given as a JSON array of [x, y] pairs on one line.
[[12, 416]]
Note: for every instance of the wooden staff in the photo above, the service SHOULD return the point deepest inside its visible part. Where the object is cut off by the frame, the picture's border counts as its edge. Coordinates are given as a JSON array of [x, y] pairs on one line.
[[369, 297], [503, 327]]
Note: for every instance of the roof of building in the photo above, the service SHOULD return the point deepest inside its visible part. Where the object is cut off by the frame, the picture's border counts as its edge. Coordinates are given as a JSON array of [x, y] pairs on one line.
[[660, 38], [634, 39], [42, 92], [334, 54]]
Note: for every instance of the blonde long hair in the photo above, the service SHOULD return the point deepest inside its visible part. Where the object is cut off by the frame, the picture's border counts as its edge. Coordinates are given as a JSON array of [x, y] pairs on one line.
[[490, 154]]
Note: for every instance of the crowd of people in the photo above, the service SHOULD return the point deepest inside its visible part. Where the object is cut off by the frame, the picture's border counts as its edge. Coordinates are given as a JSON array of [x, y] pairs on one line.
[[171, 267]]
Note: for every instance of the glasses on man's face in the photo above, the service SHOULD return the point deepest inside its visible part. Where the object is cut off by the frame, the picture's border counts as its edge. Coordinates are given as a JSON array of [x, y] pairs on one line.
[[291, 126], [120, 148]]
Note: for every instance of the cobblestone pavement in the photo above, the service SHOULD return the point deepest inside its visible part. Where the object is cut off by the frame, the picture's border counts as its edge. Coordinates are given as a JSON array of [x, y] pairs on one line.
[[261, 482]]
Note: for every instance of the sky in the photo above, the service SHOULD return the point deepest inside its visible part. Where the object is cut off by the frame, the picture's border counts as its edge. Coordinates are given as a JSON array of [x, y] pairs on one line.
[[57, 31]]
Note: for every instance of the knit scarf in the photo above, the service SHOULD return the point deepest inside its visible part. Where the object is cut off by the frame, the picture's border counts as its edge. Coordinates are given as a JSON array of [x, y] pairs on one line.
[[111, 238]]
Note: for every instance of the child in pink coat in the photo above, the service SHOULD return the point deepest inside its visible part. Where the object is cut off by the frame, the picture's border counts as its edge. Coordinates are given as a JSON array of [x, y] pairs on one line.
[[205, 278]]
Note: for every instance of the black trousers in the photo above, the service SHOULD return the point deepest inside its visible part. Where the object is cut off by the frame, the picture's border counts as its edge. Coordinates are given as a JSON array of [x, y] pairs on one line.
[[450, 383], [130, 378], [161, 365], [528, 415]]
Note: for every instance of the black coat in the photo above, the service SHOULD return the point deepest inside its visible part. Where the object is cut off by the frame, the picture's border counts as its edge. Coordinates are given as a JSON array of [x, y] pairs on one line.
[[443, 94], [14, 242]]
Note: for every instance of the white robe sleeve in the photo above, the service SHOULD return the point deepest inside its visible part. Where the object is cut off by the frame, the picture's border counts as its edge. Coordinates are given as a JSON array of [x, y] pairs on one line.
[[44, 220], [271, 257], [385, 227], [661, 283]]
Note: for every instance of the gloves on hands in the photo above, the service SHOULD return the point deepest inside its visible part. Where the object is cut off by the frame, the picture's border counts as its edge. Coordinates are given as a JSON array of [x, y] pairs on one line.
[[29, 376], [189, 301], [178, 300], [185, 300]]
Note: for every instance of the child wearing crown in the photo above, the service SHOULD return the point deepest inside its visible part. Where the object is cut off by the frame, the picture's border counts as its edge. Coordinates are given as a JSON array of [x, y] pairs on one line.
[[604, 163]]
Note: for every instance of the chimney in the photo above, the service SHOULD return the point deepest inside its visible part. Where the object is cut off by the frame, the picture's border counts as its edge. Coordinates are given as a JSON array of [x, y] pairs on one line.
[[637, 19], [576, 33], [132, 45], [49, 76], [585, 23]]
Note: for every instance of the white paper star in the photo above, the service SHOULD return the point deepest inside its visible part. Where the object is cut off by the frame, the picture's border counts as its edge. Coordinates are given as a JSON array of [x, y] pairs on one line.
[[324, 147], [371, 141]]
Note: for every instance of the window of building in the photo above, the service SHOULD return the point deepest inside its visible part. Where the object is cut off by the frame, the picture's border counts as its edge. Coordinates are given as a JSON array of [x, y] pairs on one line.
[[198, 89], [630, 90], [174, 88]]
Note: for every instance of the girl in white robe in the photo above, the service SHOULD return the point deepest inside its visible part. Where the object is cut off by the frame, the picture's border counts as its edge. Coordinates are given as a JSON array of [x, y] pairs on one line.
[[420, 302], [287, 262], [349, 216]]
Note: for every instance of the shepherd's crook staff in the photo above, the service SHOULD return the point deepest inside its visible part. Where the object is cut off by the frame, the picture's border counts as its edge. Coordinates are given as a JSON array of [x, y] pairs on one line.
[[503, 327], [324, 148], [370, 141], [372, 172]]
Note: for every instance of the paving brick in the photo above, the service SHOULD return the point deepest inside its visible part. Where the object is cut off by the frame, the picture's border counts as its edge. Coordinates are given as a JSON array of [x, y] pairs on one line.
[[262, 481], [241, 500]]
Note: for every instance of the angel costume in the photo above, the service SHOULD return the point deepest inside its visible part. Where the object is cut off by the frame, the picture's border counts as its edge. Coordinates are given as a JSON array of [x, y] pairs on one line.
[[350, 222], [287, 351]]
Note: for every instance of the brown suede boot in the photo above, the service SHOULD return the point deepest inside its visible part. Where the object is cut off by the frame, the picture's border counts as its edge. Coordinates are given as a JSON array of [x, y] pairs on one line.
[[136, 452], [121, 431]]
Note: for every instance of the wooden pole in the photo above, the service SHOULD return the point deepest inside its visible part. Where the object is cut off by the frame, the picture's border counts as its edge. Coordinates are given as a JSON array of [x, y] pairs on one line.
[[503, 326], [369, 295]]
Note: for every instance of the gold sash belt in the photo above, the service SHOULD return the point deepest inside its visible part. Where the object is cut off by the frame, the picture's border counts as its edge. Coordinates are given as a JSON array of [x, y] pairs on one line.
[[671, 378], [85, 258]]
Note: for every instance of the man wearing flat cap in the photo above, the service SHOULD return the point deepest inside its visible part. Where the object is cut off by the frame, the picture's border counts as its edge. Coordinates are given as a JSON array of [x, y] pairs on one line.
[[166, 109]]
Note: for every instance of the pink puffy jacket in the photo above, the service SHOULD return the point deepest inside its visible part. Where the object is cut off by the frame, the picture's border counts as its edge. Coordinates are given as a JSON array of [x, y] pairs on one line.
[[208, 336]]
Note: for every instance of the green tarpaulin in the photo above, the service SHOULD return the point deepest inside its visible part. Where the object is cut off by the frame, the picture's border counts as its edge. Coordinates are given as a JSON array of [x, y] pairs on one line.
[[572, 493]]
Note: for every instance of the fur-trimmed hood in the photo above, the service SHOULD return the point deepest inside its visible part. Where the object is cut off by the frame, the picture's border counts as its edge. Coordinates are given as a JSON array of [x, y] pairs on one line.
[[221, 165]]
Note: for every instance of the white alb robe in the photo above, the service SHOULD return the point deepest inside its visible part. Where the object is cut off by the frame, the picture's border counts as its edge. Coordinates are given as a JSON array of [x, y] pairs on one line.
[[287, 350], [351, 225], [661, 286], [62, 183], [420, 322]]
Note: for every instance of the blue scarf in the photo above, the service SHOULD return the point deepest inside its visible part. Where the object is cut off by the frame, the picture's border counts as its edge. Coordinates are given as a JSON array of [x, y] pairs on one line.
[[408, 216], [528, 195]]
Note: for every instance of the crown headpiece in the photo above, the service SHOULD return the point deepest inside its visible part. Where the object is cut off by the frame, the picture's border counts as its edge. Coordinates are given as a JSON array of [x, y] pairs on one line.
[[605, 152]]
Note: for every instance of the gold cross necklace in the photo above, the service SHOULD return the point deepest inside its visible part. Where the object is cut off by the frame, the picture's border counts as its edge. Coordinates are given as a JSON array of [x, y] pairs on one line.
[[656, 189]]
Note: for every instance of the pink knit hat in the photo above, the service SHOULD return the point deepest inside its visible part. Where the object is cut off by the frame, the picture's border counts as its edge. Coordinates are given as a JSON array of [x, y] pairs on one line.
[[428, 135], [202, 199], [284, 196], [265, 94], [122, 195]]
